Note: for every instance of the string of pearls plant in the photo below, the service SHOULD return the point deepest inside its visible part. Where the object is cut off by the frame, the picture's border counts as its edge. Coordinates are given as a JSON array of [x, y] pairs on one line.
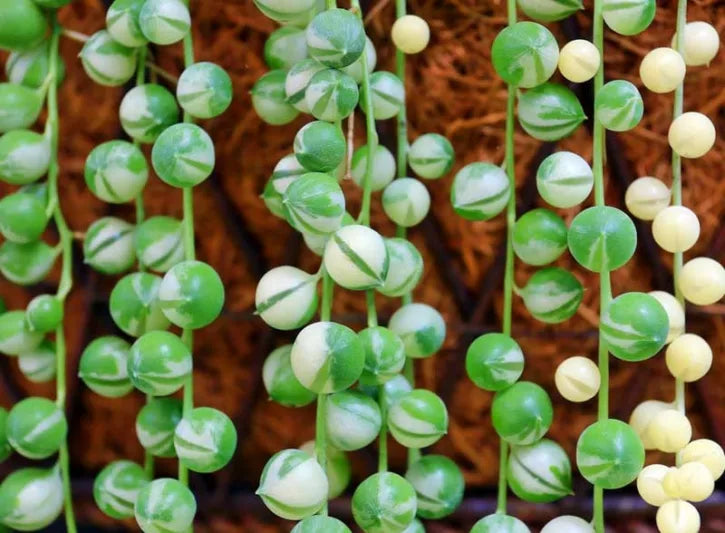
[[525, 55], [144, 305], [701, 281], [32, 498], [323, 64]]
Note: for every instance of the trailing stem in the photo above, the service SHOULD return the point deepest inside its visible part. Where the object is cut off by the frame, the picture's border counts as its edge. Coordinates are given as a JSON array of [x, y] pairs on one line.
[[508, 280], [677, 187], [66, 278], [328, 287], [605, 290], [187, 335]]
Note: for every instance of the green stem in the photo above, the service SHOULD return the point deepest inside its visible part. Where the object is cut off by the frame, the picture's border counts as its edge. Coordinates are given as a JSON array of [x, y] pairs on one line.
[[383, 437], [371, 133], [677, 189], [187, 335], [604, 281], [372, 311], [328, 287], [502, 481], [66, 277], [321, 438], [508, 279]]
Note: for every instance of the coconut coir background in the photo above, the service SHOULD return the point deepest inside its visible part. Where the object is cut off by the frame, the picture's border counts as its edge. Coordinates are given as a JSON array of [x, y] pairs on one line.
[[453, 90]]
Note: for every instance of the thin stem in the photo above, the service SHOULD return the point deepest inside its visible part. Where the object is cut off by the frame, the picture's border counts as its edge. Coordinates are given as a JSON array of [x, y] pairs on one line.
[[328, 287], [153, 67], [605, 288], [372, 311], [502, 481], [75, 35], [330, 4], [677, 190], [66, 277], [383, 437], [187, 335], [321, 438], [370, 132], [508, 279]]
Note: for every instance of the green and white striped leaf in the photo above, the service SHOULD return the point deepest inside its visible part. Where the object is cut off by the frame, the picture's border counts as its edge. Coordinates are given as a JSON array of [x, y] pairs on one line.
[[39, 364], [549, 112], [285, 10], [191, 294], [108, 245], [384, 355], [116, 171], [104, 367], [15, 336], [147, 110], [540, 472], [327, 357], [549, 10], [418, 419], [315, 204], [421, 328], [116, 488], [22, 217], [159, 243], [155, 426], [494, 361], [634, 326], [286, 297], [383, 167], [280, 381], [30, 67], [20, 106], [320, 146], [285, 47], [286, 171], [539, 237], [31, 498], [525, 54], [405, 268], [293, 485], [602, 238], [36, 427], [564, 179], [480, 191], [164, 21], [552, 295], [331, 95], [609, 454], [619, 106], [26, 263], [431, 156], [205, 440], [438, 484], [356, 258], [387, 94], [106, 61], [183, 155], [135, 306], [522, 413], [406, 201], [122, 22], [383, 503], [165, 505], [204, 90], [355, 70], [159, 363], [297, 80], [628, 17], [353, 420], [568, 524], [335, 38], [24, 156]]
